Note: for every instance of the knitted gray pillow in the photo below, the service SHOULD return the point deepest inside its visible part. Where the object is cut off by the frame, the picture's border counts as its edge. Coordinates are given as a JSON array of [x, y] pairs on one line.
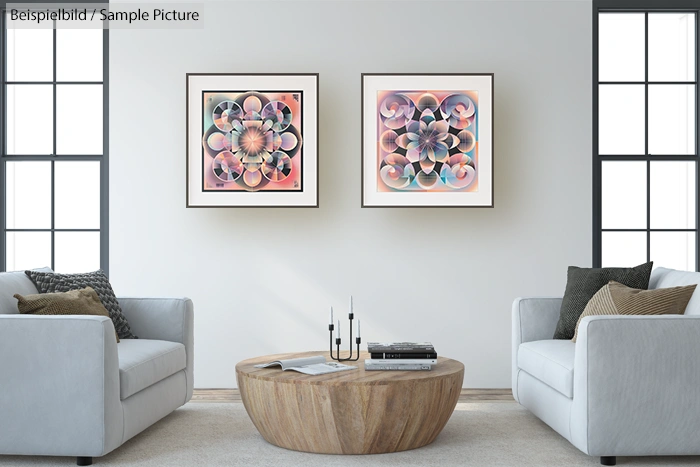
[[583, 283], [48, 282]]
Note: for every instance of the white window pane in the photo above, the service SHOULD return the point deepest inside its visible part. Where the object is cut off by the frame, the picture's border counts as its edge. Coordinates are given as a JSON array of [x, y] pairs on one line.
[[79, 54], [77, 252], [29, 54], [28, 250], [77, 204], [79, 119], [621, 47], [621, 119], [30, 119], [28, 189], [672, 195], [624, 195], [675, 250], [671, 119], [671, 47], [624, 249]]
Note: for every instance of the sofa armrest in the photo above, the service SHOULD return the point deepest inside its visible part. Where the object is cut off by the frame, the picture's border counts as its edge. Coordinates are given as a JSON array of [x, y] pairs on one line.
[[59, 386], [533, 319], [166, 319], [636, 385]]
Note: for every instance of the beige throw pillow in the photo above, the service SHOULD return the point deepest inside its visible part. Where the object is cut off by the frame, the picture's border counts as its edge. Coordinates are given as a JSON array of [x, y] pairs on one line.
[[76, 302], [618, 299]]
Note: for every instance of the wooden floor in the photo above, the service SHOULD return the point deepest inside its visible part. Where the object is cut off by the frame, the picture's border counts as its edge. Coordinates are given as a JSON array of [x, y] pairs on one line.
[[468, 395]]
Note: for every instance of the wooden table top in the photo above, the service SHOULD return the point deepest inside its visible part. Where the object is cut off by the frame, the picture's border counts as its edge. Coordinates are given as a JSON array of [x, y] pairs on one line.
[[445, 366]]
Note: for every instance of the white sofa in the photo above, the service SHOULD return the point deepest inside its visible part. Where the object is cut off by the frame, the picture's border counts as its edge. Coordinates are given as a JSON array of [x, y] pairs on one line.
[[68, 389], [629, 386]]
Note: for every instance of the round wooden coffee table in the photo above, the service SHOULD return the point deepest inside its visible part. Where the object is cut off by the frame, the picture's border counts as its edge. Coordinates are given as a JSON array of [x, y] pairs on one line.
[[351, 412]]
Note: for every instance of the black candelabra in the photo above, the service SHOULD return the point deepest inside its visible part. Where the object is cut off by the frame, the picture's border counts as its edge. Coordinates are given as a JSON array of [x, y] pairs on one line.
[[331, 328]]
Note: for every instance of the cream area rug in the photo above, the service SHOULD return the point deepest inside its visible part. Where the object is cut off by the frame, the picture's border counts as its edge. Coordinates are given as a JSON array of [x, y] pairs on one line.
[[221, 434]]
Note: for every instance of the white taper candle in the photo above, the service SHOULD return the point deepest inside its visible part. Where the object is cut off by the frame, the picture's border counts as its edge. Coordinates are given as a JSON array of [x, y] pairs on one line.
[[331, 318], [337, 331], [358, 328]]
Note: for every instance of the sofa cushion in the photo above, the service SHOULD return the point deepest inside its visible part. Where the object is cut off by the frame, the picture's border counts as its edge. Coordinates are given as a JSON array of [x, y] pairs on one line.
[[662, 278], [583, 283], [76, 302], [144, 362], [12, 283], [617, 299], [550, 361], [53, 282]]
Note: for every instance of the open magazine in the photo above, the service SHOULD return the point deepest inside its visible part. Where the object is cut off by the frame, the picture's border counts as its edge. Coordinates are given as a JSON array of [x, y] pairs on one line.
[[309, 365]]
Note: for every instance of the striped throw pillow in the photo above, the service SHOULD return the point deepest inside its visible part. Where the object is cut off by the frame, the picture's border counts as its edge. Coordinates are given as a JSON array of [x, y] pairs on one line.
[[618, 299]]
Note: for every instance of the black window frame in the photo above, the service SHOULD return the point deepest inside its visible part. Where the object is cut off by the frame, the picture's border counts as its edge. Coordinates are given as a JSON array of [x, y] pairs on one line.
[[643, 6], [103, 158]]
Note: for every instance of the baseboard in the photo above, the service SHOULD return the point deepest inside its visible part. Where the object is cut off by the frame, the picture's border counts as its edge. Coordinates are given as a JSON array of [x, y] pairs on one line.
[[467, 395]]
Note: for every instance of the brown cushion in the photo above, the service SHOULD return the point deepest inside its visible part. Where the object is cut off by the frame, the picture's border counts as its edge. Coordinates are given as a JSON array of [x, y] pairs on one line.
[[76, 302], [618, 299]]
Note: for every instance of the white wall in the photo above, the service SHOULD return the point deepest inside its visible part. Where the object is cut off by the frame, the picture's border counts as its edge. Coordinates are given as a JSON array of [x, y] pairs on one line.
[[262, 279]]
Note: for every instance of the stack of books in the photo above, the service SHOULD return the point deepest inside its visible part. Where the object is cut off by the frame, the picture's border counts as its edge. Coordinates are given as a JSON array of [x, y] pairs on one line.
[[401, 356]]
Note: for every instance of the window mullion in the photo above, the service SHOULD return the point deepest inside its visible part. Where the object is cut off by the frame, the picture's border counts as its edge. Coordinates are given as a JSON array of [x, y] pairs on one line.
[[646, 129], [697, 141], [597, 160], [53, 164], [3, 144], [104, 161]]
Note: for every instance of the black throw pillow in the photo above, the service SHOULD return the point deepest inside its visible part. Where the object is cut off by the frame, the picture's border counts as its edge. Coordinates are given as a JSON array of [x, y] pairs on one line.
[[583, 283], [47, 282]]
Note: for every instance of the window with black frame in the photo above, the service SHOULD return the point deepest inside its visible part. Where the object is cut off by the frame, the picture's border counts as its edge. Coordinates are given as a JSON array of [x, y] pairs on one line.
[[53, 171], [645, 142]]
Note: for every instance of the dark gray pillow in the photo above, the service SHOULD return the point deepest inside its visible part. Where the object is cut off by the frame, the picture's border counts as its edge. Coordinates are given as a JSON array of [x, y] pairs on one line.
[[48, 282], [583, 283]]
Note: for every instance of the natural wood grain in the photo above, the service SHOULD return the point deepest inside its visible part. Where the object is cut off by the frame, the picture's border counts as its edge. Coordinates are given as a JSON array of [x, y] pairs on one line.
[[216, 395], [352, 412], [479, 392], [466, 396]]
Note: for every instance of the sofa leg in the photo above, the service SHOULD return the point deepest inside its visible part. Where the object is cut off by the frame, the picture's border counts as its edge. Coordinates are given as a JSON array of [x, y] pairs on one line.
[[608, 460], [88, 461]]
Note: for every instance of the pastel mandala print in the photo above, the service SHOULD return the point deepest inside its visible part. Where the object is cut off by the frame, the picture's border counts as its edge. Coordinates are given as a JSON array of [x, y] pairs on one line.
[[427, 141], [252, 141]]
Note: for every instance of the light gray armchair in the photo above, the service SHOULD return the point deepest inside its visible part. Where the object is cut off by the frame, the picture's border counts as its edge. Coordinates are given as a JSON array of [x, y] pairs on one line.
[[68, 389], [629, 386]]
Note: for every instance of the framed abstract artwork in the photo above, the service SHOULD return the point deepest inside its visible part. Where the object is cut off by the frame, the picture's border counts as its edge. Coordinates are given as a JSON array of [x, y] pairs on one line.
[[427, 140], [252, 140]]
